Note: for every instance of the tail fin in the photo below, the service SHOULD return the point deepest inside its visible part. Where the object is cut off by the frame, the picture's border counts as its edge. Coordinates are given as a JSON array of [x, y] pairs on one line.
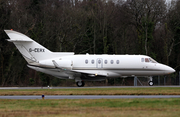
[[31, 50]]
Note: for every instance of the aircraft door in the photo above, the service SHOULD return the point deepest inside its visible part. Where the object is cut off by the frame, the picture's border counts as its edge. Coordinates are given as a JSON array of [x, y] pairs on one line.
[[99, 63]]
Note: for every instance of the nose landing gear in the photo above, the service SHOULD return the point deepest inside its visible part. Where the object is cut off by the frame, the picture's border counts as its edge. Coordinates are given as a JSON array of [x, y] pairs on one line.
[[150, 81]]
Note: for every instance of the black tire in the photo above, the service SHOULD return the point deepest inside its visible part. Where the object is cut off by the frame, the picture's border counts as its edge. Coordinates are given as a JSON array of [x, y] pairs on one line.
[[151, 83], [80, 83]]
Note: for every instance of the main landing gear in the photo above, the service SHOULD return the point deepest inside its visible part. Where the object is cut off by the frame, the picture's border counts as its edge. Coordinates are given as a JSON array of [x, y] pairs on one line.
[[150, 81], [80, 83]]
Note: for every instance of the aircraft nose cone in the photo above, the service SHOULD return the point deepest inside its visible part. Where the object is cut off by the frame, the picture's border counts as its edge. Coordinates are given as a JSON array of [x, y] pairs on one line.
[[170, 70], [166, 69]]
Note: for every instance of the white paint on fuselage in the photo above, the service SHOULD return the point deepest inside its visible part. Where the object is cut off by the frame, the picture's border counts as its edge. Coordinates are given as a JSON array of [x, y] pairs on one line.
[[129, 65]]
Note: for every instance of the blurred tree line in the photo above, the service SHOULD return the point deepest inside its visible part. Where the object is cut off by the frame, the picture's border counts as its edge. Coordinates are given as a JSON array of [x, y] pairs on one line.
[[148, 27]]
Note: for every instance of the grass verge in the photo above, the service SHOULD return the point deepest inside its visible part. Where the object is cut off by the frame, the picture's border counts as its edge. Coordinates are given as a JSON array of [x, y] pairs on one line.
[[91, 107], [95, 91]]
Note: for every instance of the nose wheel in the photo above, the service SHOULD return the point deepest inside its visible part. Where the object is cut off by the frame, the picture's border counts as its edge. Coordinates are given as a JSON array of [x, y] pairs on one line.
[[80, 83], [150, 81]]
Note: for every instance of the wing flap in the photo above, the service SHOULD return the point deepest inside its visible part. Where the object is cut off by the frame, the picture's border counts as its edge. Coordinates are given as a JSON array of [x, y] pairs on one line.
[[93, 73]]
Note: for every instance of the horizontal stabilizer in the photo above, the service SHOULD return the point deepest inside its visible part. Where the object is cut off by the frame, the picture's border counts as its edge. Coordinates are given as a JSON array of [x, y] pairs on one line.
[[18, 40], [16, 36]]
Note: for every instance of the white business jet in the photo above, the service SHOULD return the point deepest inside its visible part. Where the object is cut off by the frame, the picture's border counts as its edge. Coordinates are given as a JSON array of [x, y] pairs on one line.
[[66, 65]]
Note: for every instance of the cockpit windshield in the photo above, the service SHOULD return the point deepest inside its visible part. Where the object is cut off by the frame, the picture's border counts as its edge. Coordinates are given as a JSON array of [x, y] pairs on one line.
[[148, 60], [152, 60]]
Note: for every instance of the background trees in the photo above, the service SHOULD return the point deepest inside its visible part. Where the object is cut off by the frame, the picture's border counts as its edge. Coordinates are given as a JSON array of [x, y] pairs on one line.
[[150, 27]]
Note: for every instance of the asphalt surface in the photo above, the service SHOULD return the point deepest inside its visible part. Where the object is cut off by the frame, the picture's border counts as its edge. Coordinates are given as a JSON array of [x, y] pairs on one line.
[[90, 96], [87, 96]]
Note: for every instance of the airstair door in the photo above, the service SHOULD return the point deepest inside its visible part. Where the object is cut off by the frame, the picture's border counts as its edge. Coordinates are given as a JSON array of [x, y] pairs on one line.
[[99, 63]]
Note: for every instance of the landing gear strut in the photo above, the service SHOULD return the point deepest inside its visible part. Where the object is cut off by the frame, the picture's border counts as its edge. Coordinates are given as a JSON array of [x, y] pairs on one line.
[[151, 81], [80, 83]]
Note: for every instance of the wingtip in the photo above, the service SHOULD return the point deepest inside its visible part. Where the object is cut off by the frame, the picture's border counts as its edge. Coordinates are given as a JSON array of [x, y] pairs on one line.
[[8, 30]]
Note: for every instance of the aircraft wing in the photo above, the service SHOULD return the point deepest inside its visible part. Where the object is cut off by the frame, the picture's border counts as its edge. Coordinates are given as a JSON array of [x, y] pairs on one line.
[[90, 73]]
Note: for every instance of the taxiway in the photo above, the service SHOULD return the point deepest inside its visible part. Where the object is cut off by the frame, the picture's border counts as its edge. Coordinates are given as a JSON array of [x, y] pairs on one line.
[[90, 96], [85, 87]]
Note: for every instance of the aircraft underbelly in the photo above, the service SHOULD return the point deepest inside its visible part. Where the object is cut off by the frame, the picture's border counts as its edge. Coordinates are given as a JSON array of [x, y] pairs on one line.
[[123, 72], [140, 73]]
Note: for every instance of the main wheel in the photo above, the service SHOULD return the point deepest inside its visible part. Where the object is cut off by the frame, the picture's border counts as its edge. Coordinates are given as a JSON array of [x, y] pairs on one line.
[[151, 83], [80, 83]]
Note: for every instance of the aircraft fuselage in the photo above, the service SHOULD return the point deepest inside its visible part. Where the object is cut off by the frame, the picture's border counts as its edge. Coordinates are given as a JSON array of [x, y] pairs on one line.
[[107, 65]]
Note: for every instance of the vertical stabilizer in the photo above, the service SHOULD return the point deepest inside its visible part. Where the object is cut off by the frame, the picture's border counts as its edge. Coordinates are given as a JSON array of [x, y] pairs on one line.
[[31, 50]]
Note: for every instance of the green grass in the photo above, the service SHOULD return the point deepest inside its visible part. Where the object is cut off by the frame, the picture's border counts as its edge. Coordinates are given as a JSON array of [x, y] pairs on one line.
[[96, 91], [91, 107]]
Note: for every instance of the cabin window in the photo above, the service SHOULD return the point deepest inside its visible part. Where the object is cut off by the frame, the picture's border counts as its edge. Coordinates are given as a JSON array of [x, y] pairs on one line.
[[86, 61], [112, 61], [92, 61], [142, 59], [105, 61], [117, 61]]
